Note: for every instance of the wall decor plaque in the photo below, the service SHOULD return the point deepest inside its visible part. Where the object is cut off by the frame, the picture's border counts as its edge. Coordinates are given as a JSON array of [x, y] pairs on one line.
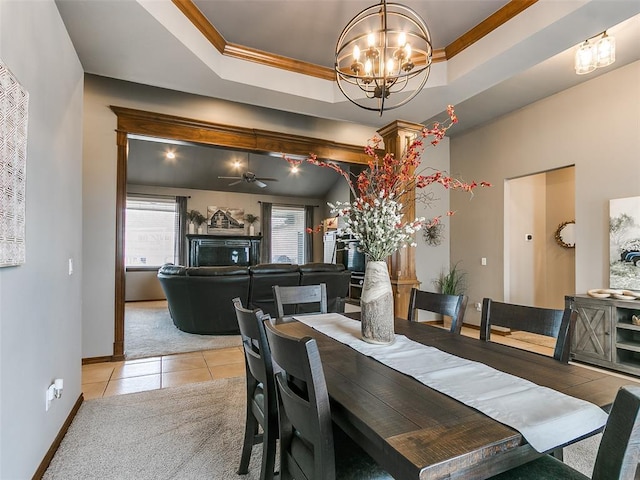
[[14, 108]]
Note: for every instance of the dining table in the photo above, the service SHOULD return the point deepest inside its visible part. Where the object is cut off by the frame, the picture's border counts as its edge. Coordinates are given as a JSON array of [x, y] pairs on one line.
[[414, 431]]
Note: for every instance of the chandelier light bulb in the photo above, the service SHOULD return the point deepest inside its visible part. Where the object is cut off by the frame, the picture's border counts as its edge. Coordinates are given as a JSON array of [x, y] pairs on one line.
[[402, 39], [407, 51], [390, 66], [356, 53], [367, 67], [371, 40]]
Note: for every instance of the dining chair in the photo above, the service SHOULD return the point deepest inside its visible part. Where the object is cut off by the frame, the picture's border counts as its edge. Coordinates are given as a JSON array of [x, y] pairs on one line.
[[452, 306], [618, 454], [300, 299], [262, 405], [310, 447], [542, 321]]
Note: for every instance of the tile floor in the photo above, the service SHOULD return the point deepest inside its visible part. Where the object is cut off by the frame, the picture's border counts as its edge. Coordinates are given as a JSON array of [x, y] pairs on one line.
[[117, 378], [129, 376]]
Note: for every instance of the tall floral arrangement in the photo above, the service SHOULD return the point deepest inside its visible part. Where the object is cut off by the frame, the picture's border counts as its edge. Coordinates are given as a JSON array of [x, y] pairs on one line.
[[377, 215]]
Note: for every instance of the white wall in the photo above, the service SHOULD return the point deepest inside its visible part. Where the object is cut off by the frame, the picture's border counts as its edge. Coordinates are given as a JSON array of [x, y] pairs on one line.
[[595, 126], [40, 304], [99, 177], [525, 214]]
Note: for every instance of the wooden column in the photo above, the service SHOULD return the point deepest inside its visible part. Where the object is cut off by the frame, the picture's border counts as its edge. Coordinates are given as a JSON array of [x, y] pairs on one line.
[[402, 265]]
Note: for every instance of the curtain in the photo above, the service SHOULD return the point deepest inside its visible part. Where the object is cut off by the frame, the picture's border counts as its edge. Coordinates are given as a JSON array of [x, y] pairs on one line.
[[265, 228], [308, 226], [181, 231]]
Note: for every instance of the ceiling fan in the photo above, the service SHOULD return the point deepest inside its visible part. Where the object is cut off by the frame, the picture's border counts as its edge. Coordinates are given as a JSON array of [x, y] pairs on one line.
[[249, 177]]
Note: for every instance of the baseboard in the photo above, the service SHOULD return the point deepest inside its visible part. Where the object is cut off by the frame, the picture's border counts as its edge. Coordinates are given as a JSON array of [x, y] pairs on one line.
[[90, 360], [58, 440]]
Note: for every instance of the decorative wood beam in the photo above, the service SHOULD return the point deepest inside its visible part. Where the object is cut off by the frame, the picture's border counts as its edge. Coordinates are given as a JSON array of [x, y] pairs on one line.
[[506, 13], [251, 139]]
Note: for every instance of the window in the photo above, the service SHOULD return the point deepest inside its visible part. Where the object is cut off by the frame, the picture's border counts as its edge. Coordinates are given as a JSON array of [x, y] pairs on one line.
[[150, 231], [288, 234]]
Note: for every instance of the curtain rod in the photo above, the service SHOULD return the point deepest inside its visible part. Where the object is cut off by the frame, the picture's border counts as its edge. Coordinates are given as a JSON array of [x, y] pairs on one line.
[[131, 194], [289, 204]]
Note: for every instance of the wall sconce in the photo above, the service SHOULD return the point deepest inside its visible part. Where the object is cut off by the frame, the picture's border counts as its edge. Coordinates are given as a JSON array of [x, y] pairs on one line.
[[595, 52]]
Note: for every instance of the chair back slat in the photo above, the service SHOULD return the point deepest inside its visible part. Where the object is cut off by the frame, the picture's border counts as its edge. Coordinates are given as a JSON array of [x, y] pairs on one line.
[[300, 299], [254, 343], [619, 451], [305, 415], [452, 306], [542, 321]]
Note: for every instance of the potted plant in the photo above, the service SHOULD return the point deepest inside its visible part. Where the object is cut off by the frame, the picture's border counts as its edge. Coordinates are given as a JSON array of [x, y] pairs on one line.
[[196, 219], [250, 218], [453, 282]]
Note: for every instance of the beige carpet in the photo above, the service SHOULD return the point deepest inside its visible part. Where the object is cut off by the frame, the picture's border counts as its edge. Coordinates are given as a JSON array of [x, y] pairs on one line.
[[192, 432], [149, 332]]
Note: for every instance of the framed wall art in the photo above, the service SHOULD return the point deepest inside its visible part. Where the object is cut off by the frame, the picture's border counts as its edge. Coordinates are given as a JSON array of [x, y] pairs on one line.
[[14, 108], [624, 243], [225, 220]]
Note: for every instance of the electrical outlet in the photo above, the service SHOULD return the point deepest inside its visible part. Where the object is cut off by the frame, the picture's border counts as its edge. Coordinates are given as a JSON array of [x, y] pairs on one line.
[[479, 306]]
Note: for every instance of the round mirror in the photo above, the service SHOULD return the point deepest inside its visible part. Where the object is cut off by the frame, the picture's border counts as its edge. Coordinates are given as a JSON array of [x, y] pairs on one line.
[[566, 234]]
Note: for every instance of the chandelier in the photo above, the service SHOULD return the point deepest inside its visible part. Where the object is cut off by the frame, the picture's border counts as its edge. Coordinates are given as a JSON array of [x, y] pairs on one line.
[[384, 50], [595, 52]]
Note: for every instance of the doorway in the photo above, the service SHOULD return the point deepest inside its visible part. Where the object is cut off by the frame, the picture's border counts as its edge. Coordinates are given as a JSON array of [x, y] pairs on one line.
[[137, 122], [538, 270]]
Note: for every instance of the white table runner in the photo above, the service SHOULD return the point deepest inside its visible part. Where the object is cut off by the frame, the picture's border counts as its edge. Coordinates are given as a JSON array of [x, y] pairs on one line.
[[546, 418]]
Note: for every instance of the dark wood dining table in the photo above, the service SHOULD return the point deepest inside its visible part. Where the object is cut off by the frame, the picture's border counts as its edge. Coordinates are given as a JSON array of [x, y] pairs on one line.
[[415, 432]]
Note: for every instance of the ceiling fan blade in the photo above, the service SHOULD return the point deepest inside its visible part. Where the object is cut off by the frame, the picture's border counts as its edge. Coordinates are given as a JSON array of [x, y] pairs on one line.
[[229, 178], [235, 183], [267, 179], [259, 183]]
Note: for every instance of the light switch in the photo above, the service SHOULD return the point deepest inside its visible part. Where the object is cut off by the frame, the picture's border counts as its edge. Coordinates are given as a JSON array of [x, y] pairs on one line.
[[483, 261], [71, 266]]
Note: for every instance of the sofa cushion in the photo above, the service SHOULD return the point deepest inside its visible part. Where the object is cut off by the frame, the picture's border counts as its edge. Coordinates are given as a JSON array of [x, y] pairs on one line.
[[269, 268], [321, 267], [334, 276], [263, 277], [216, 271], [203, 303], [171, 269]]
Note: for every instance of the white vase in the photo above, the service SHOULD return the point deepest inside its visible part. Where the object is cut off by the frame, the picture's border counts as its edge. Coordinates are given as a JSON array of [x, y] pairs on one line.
[[252, 230], [376, 304], [192, 228], [200, 230]]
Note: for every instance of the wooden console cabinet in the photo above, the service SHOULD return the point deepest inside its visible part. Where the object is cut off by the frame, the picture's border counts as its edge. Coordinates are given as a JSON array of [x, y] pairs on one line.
[[604, 335]]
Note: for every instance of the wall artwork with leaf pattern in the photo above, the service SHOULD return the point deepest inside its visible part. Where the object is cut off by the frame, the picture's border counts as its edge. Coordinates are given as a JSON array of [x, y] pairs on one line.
[[14, 108]]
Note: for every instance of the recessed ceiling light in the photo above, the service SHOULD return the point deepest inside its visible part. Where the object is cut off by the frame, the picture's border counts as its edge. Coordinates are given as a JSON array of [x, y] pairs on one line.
[[171, 155], [236, 164], [294, 169]]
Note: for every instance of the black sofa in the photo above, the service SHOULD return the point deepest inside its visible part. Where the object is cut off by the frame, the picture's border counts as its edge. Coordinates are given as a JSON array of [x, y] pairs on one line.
[[199, 298]]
